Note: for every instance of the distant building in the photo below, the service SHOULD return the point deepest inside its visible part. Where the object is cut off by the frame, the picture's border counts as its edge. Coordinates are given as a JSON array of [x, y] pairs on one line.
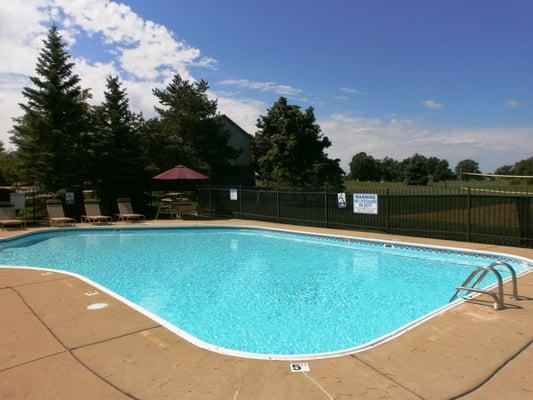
[[242, 141]]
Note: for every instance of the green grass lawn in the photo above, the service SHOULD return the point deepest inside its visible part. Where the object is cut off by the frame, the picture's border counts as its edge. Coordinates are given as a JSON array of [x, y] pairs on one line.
[[352, 185]]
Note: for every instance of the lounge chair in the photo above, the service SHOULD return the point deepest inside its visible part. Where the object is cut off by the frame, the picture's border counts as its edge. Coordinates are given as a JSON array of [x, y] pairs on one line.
[[93, 213], [9, 218], [125, 211], [56, 214]]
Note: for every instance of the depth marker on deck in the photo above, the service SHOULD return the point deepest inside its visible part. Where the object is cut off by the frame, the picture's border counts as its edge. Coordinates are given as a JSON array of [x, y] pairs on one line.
[[300, 367]]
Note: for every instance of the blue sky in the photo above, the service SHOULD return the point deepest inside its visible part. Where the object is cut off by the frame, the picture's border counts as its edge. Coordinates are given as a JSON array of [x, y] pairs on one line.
[[446, 78]]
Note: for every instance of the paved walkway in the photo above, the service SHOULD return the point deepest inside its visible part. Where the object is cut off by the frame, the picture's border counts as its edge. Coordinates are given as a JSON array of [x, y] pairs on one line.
[[52, 347]]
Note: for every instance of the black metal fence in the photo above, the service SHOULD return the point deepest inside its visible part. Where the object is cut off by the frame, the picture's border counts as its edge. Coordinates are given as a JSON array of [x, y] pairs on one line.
[[31, 203], [496, 216]]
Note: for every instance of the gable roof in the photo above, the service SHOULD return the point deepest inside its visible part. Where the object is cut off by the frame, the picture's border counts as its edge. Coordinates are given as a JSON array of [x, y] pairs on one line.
[[233, 123]]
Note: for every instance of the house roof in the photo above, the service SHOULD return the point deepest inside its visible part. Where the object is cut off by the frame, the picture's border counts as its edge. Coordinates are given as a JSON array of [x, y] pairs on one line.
[[231, 122]]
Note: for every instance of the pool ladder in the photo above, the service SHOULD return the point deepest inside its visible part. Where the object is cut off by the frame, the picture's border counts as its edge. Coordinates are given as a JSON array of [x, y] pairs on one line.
[[480, 273]]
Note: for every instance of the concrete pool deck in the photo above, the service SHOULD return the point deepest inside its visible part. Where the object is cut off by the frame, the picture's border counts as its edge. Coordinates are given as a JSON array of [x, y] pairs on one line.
[[52, 347]]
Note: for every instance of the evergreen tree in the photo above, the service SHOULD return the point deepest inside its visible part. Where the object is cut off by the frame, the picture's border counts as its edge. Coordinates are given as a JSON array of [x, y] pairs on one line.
[[116, 162], [415, 170], [289, 149], [52, 134], [190, 131]]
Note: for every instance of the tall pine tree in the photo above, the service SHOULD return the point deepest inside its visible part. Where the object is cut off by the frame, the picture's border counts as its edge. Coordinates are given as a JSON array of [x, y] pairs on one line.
[[52, 134], [188, 131], [116, 162]]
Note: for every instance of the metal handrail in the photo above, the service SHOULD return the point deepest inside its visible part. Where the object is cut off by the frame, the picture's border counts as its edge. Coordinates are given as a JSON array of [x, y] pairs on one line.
[[498, 300], [467, 281], [513, 277]]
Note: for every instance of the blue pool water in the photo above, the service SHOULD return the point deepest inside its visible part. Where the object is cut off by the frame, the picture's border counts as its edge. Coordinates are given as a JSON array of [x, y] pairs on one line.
[[256, 290]]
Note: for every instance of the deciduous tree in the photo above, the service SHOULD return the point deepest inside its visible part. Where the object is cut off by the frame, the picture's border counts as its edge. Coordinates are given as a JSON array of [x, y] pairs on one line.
[[389, 169], [442, 171], [467, 165], [504, 170], [289, 149], [364, 167]]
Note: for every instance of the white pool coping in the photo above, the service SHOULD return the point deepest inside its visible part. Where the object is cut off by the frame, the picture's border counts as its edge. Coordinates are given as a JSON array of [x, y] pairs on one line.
[[261, 356]]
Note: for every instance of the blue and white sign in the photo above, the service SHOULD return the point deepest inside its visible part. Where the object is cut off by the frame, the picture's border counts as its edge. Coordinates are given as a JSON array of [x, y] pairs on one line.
[[365, 203], [233, 194]]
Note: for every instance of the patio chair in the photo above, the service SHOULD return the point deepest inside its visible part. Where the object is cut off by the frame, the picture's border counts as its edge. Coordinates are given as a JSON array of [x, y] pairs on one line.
[[9, 218], [125, 211], [56, 214], [93, 214], [186, 208]]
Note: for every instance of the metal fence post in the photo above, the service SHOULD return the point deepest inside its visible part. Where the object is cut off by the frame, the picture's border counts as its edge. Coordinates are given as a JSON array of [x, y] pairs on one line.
[[528, 204], [325, 208], [240, 201], [277, 205], [33, 205], [468, 207], [387, 215], [209, 203]]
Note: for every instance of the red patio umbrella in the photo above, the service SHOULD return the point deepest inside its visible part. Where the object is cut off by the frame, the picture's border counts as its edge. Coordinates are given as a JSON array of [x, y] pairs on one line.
[[180, 172]]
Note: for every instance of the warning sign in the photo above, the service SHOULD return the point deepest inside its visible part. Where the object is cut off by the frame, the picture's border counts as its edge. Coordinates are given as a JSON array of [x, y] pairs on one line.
[[365, 203]]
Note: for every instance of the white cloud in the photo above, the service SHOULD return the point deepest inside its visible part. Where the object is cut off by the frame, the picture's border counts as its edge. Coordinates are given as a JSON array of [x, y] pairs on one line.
[[243, 112], [512, 104], [144, 54], [263, 86], [350, 90], [93, 76], [400, 138], [10, 88], [432, 105], [146, 50], [22, 30]]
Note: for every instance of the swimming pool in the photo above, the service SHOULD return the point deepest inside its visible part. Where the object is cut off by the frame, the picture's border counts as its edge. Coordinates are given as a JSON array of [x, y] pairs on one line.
[[259, 292]]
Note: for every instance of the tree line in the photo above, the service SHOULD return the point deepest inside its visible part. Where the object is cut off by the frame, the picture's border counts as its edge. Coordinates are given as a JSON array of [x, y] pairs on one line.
[[63, 143], [418, 169], [412, 170]]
